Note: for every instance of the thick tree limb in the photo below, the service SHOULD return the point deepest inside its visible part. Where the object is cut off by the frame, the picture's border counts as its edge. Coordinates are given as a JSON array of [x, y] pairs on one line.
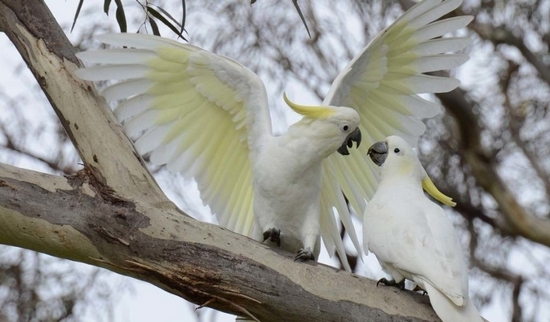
[[200, 262], [113, 215]]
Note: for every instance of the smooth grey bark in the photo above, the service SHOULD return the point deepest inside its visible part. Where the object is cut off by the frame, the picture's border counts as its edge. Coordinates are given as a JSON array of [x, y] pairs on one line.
[[112, 214]]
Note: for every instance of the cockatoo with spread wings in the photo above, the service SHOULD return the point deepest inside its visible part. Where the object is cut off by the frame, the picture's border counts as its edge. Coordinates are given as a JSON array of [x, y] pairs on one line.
[[206, 116], [411, 235]]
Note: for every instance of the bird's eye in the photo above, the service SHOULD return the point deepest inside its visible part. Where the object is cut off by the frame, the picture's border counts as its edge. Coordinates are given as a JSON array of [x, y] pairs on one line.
[[396, 150], [345, 128]]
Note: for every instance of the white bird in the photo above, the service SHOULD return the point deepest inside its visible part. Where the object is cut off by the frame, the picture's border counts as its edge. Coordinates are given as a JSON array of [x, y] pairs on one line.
[[411, 235], [207, 117]]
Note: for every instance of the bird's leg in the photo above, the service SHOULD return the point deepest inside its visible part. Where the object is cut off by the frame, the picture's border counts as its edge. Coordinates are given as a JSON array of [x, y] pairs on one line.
[[304, 254], [310, 241], [399, 285], [418, 288], [274, 235]]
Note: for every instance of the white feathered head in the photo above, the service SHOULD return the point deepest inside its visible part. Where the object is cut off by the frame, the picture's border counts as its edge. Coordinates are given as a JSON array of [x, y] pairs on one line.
[[335, 127], [396, 155]]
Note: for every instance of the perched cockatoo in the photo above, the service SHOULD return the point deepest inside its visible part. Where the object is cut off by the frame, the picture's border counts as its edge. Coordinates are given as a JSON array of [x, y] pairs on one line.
[[206, 116], [411, 235]]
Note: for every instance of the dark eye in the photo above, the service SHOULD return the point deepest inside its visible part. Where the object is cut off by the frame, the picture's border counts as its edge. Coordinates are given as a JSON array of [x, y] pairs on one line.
[[345, 128], [396, 150]]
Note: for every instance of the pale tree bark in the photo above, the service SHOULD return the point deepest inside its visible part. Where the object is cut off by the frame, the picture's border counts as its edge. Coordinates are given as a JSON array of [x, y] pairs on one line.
[[113, 215]]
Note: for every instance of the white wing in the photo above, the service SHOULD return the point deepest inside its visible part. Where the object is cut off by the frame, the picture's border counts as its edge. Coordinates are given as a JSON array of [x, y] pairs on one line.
[[415, 236], [382, 83], [201, 114]]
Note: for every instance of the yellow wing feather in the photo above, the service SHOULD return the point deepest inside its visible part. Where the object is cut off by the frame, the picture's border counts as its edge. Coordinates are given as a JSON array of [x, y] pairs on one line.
[[382, 83], [201, 114]]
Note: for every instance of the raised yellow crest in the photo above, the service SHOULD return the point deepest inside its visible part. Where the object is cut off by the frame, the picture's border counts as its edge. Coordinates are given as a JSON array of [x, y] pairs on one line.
[[314, 112]]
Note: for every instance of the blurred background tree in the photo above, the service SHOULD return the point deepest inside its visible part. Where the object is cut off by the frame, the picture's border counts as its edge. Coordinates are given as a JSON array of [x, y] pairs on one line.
[[490, 150]]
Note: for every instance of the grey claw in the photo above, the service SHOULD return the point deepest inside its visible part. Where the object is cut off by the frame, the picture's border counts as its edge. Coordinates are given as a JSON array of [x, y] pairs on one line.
[[383, 280], [304, 254], [274, 235]]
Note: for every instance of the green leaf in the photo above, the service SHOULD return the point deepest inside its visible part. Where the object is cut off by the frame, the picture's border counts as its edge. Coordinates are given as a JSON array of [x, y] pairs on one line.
[[120, 16], [77, 13], [106, 5], [155, 27], [153, 12]]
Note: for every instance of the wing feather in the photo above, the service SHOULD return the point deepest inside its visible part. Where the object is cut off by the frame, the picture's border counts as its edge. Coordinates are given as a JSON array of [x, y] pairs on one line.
[[441, 45], [383, 84], [126, 89], [439, 62], [116, 56], [112, 72], [201, 114], [329, 228], [439, 28]]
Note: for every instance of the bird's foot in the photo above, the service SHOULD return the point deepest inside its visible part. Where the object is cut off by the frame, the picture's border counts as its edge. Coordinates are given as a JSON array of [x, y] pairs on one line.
[[274, 235], [304, 254], [418, 288], [383, 280]]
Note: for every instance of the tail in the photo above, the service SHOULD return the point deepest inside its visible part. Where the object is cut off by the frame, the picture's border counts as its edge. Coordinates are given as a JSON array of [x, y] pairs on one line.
[[450, 312]]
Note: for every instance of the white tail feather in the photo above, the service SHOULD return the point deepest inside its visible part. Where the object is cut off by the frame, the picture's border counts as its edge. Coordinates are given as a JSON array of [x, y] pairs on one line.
[[448, 311]]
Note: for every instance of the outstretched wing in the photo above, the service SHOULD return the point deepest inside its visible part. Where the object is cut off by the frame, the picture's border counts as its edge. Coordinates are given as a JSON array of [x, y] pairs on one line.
[[382, 83], [201, 114]]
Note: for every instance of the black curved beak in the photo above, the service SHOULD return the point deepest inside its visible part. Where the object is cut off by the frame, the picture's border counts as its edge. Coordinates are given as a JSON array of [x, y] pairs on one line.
[[354, 136], [378, 152]]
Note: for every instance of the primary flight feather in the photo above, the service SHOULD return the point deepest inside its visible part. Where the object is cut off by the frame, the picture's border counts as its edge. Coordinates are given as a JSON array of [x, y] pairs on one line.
[[207, 117]]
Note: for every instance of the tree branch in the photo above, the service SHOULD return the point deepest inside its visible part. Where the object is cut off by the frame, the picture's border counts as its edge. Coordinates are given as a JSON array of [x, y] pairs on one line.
[[200, 262], [484, 170], [113, 215]]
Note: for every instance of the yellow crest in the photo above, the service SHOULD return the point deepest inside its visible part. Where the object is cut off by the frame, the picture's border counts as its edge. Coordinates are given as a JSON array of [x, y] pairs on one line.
[[430, 188], [314, 112]]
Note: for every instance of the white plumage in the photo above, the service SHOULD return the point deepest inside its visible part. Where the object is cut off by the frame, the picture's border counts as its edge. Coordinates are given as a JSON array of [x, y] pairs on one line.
[[412, 237], [206, 116]]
